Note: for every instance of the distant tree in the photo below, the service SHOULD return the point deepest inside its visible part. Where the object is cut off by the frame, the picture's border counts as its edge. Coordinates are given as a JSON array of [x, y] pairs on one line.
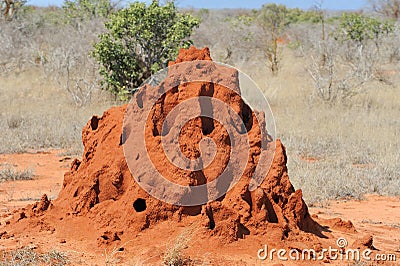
[[87, 9], [273, 20], [266, 27], [388, 8], [297, 15], [140, 40], [359, 29]]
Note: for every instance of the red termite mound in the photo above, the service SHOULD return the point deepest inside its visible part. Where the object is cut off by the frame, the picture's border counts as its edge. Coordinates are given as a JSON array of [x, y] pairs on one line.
[[100, 187]]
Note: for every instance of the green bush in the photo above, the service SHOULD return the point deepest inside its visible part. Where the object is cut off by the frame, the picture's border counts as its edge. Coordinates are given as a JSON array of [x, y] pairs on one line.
[[297, 15], [86, 9], [140, 40], [360, 28]]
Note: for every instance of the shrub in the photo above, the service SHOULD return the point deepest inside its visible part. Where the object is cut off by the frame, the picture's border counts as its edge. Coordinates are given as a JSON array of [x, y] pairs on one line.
[[87, 9], [297, 15], [174, 254], [28, 256], [9, 174], [140, 40], [359, 29]]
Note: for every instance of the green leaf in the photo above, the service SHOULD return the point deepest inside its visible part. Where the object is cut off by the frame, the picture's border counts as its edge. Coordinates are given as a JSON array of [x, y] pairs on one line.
[[140, 40]]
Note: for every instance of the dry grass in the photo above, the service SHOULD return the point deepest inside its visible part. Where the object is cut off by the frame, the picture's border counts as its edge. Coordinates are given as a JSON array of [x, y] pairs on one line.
[[8, 173], [29, 257], [36, 114], [174, 255]]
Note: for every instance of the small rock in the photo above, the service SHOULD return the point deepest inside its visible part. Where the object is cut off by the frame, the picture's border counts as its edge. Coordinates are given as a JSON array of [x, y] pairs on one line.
[[367, 241]]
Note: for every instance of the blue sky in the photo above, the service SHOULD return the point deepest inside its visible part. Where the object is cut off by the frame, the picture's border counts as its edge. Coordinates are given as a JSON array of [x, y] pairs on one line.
[[305, 4]]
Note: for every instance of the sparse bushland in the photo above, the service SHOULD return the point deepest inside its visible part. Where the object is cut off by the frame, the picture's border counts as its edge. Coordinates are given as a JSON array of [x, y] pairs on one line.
[[69, 65], [36, 40], [49, 84], [265, 29], [388, 8], [351, 57]]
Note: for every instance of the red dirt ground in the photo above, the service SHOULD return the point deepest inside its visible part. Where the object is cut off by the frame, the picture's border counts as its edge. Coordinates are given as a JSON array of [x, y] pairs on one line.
[[150, 245]]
